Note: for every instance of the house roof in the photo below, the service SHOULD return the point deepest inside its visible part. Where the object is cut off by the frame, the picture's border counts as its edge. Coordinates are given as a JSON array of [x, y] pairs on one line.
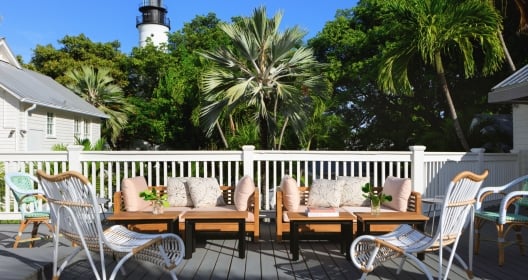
[[34, 88], [513, 89]]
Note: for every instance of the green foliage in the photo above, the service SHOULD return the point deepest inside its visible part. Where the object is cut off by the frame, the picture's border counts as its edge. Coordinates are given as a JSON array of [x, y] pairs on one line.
[[152, 195], [376, 197]]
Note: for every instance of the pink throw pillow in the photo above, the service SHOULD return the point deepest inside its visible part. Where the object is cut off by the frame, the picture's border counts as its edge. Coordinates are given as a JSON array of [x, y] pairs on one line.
[[400, 190], [243, 190], [291, 198], [131, 187]]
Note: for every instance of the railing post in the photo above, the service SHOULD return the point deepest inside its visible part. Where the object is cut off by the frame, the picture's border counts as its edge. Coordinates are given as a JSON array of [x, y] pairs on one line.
[[247, 159], [74, 157], [417, 168], [480, 158]]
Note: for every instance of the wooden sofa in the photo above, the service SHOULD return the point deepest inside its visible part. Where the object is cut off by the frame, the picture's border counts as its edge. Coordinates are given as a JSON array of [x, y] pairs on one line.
[[252, 225], [283, 227]]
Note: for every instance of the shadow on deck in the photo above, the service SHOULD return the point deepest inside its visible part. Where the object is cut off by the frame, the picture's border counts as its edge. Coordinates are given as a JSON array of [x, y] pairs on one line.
[[266, 259]]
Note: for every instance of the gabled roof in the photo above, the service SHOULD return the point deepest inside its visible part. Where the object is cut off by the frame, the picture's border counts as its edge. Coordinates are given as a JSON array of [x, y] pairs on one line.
[[34, 88], [513, 89]]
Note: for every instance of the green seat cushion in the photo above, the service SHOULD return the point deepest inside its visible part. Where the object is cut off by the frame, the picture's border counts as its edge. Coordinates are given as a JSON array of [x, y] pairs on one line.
[[494, 216]]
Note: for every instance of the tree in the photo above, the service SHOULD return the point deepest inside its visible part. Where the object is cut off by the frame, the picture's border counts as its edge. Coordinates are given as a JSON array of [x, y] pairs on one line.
[[97, 87], [429, 30], [266, 70]]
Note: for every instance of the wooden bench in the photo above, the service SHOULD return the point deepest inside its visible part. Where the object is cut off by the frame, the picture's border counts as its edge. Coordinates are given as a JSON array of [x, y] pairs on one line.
[[228, 193], [283, 227]]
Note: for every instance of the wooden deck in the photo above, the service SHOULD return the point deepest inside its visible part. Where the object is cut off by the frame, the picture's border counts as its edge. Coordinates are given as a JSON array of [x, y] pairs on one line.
[[266, 259]]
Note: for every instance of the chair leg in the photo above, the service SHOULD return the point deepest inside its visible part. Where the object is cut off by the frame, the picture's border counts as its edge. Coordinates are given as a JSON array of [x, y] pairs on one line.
[[21, 229], [478, 225], [500, 243], [34, 233], [518, 235]]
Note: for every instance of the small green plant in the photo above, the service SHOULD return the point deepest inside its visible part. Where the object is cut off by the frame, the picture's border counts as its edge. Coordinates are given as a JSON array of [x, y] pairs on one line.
[[376, 197], [152, 195]]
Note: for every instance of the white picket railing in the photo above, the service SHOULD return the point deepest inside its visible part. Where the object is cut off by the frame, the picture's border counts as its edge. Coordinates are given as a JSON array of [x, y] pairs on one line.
[[429, 171]]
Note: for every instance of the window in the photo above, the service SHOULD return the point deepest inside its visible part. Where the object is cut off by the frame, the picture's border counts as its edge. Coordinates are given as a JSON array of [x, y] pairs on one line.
[[86, 132], [77, 128], [50, 125]]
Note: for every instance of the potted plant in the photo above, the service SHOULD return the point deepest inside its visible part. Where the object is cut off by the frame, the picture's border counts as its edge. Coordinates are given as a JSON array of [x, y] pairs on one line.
[[158, 201], [376, 197]]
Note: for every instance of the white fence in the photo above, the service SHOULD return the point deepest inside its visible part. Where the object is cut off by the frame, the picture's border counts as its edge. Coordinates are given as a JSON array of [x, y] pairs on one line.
[[430, 172]]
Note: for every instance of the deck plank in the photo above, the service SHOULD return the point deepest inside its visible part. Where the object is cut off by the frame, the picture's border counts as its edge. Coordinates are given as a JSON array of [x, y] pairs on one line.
[[266, 259]]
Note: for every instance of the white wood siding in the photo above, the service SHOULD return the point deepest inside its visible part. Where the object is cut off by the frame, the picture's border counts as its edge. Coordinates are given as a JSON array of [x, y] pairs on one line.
[[8, 120], [520, 127]]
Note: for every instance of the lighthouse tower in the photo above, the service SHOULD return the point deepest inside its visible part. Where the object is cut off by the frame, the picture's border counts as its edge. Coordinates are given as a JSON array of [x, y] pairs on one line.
[[153, 22]]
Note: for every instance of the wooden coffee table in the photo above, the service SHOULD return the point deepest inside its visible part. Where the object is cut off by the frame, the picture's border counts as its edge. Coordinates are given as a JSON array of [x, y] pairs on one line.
[[130, 218], [366, 219], [345, 219], [193, 217]]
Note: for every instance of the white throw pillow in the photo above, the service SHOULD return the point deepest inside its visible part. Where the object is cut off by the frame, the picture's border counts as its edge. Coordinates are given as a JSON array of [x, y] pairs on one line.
[[178, 192], [205, 192], [400, 190], [291, 198], [325, 193], [352, 195], [243, 190]]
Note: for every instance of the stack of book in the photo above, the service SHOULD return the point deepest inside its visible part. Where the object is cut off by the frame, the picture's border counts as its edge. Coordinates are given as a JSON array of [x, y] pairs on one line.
[[321, 212]]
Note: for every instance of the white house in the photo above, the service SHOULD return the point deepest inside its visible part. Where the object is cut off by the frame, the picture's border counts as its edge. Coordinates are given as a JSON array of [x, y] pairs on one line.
[[514, 90], [36, 112]]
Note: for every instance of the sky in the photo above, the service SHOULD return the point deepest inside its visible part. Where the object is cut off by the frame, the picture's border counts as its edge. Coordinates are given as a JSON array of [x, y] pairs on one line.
[[27, 23]]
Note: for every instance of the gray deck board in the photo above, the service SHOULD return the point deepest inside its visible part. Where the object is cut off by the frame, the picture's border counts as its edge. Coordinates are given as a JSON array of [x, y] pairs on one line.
[[216, 258]]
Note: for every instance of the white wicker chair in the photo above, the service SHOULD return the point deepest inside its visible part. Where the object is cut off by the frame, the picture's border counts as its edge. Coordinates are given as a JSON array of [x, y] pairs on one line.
[[369, 251], [74, 211], [31, 204]]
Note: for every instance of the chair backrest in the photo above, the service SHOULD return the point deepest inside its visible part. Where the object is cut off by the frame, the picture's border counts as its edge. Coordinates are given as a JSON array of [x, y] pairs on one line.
[[73, 207], [24, 186], [458, 205]]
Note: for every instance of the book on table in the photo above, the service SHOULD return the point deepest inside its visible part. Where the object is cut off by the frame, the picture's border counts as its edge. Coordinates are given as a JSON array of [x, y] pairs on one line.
[[321, 212]]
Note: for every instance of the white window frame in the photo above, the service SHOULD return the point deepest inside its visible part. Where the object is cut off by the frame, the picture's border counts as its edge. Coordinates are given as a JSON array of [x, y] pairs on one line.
[[50, 124], [77, 124], [87, 129]]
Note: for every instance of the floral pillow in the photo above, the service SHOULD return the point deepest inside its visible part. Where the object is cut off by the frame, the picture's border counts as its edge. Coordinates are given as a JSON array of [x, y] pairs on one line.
[[243, 190], [205, 192], [352, 195], [178, 193], [325, 193], [291, 196]]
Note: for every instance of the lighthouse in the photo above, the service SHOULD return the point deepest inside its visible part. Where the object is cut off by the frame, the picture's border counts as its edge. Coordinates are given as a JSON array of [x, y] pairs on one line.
[[153, 22]]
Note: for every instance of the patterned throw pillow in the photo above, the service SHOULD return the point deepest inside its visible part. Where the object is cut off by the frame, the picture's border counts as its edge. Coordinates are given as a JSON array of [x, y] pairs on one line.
[[352, 195], [400, 190], [205, 192], [291, 198], [325, 193], [178, 193], [243, 190]]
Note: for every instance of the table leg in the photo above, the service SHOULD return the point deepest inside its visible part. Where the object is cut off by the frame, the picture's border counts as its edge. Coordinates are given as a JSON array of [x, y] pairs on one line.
[[294, 240], [189, 236], [242, 239], [346, 238], [421, 227], [360, 229]]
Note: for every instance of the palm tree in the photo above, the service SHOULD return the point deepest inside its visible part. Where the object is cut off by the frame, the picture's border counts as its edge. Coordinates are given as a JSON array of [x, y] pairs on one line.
[[432, 29], [97, 87], [266, 70]]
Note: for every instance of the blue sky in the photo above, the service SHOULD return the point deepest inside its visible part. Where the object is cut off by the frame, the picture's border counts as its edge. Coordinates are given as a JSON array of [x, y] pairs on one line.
[[28, 23]]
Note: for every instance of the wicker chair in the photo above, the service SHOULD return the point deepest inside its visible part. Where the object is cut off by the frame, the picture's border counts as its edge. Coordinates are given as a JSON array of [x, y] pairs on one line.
[[512, 196], [74, 211], [31, 204], [369, 251]]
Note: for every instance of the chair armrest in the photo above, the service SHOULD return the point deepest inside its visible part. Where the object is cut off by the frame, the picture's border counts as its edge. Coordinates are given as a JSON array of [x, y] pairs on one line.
[[414, 204]]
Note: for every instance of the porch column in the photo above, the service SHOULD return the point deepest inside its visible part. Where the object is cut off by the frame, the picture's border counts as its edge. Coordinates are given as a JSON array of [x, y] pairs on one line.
[[74, 157], [417, 168]]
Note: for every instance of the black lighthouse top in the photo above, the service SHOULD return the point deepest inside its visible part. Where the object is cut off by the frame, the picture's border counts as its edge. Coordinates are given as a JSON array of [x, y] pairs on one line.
[[152, 12]]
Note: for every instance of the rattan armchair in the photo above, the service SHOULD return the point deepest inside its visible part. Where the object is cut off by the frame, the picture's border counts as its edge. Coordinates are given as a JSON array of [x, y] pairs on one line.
[[506, 217], [368, 251], [75, 213], [31, 204]]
